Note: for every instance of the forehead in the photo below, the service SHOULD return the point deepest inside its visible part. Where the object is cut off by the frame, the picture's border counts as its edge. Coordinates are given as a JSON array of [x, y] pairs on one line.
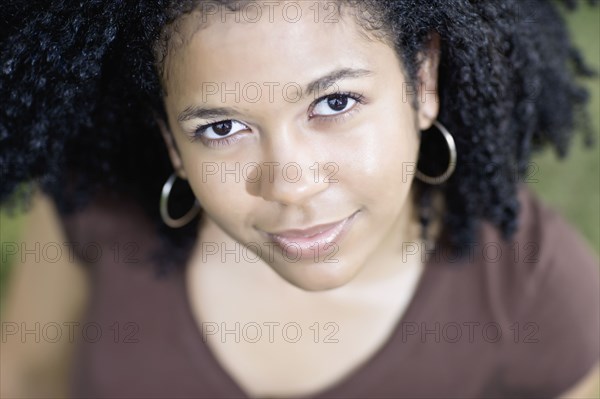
[[277, 42]]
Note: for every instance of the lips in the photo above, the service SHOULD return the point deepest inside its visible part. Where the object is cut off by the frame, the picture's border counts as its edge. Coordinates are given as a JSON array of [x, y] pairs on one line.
[[309, 232], [314, 240]]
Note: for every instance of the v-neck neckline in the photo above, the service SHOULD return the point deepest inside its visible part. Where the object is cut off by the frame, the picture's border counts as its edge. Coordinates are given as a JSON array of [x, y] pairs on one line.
[[224, 379]]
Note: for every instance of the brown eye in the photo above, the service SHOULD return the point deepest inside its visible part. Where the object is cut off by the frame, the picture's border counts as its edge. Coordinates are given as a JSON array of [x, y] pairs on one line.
[[217, 130], [222, 128], [334, 104], [337, 103]]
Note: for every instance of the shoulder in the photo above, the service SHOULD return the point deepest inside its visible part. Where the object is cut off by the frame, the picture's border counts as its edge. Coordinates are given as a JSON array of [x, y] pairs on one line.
[[551, 259], [103, 213], [110, 226], [546, 285], [545, 260]]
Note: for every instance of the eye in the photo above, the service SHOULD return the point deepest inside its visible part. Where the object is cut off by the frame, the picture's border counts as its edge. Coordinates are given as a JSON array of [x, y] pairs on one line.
[[335, 104], [219, 130]]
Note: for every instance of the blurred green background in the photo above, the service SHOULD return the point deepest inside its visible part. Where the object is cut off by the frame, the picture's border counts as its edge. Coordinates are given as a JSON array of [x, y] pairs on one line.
[[572, 185]]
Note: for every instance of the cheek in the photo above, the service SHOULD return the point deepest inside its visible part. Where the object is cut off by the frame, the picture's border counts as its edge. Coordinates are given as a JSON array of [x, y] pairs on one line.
[[217, 192], [384, 156]]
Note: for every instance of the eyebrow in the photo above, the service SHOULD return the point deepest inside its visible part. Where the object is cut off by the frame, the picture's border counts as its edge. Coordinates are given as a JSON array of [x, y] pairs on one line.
[[316, 85], [324, 82]]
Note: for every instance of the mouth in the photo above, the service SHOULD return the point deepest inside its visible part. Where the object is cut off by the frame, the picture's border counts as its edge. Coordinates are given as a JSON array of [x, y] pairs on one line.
[[311, 242]]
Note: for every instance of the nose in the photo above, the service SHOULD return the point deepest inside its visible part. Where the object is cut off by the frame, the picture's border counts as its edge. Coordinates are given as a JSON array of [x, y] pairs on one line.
[[291, 172]]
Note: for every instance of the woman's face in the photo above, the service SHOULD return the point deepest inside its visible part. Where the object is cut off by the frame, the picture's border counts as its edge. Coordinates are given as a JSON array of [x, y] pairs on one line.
[[282, 124]]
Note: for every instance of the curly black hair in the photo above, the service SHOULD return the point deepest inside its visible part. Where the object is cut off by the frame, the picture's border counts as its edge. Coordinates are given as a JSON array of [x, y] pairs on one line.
[[80, 89]]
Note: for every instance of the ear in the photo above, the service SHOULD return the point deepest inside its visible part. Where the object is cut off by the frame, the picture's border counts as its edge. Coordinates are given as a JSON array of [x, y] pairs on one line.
[[428, 98], [171, 148]]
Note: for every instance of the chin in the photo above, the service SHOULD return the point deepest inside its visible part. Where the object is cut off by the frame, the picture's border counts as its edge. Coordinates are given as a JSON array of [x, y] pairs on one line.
[[318, 276]]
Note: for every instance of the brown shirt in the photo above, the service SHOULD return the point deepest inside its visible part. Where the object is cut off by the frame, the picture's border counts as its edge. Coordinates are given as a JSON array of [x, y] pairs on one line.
[[511, 319]]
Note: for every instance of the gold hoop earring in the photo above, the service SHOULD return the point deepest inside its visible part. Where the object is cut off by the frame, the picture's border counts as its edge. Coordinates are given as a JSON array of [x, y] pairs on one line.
[[164, 209], [434, 180]]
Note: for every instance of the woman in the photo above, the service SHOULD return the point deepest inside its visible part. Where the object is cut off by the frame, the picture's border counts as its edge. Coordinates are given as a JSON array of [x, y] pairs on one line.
[[353, 223]]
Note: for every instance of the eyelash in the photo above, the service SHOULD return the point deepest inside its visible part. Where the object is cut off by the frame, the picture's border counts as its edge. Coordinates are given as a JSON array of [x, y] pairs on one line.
[[359, 98]]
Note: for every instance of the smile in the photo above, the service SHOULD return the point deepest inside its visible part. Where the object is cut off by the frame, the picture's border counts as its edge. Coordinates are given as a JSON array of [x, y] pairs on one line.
[[314, 240]]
